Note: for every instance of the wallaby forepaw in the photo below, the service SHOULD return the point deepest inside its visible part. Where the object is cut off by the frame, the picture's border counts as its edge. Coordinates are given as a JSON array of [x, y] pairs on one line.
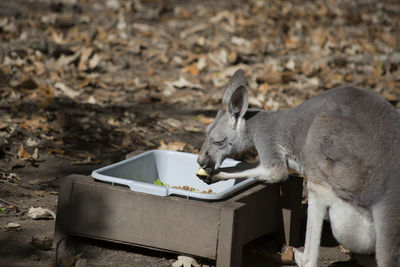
[[208, 179]]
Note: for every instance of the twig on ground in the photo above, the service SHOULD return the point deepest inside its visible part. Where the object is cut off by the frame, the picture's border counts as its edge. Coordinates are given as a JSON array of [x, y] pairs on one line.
[[10, 204]]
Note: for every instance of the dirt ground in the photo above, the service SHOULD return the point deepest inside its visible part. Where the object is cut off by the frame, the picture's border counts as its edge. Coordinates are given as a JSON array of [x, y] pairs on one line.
[[85, 82]]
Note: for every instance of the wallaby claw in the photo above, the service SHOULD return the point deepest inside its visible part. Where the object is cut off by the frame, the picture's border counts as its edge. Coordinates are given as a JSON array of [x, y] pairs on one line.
[[208, 179]]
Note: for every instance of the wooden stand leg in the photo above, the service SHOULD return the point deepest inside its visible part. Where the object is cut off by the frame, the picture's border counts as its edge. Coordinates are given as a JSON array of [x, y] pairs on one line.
[[61, 231], [230, 245], [61, 238]]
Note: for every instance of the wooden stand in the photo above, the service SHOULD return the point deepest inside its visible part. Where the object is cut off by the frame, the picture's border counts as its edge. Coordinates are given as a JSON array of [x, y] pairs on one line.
[[214, 230]]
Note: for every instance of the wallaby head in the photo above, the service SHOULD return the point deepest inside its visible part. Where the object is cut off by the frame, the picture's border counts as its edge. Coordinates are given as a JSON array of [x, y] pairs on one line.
[[226, 136]]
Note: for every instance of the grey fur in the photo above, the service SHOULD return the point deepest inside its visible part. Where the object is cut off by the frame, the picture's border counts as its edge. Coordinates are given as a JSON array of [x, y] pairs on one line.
[[346, 141]]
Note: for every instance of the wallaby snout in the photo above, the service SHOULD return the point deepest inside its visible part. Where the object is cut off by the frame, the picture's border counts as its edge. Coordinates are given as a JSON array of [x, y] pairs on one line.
[[205, 161]]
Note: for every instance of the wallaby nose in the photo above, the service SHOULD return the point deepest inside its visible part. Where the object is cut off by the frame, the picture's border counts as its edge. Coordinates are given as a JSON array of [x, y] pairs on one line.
[[205, 162], [201, 161]]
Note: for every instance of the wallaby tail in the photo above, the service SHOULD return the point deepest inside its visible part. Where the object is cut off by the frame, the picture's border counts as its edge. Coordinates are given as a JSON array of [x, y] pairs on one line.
[[386, 216]]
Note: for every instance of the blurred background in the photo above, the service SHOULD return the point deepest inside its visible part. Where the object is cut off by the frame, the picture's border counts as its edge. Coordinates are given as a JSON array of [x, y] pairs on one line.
[[84, 82]]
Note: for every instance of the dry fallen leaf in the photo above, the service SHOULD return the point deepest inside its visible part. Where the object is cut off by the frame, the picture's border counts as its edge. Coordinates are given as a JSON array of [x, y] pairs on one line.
[[192, 149], [269, 75], [94, 61], [184, 261], [287, 256], [203, 119], [35, 154], [176, 146], [319, 37], [3, 125], [62, 89], [192, 69], [344, 249], [170, 123], [56, 36], [85, 54], [194, 128], [183, 83], [22, 153], [41, 213], [12, 225]]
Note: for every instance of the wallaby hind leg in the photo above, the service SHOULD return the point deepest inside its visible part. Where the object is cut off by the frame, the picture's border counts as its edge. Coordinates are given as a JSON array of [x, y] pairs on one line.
[[387, 225], [315, 218]]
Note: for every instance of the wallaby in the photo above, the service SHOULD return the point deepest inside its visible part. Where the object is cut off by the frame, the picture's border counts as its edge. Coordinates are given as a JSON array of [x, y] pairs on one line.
[[346, 141]]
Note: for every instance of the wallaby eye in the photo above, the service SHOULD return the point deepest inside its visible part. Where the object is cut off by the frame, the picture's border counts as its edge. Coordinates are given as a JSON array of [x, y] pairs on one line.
[[219, 142]]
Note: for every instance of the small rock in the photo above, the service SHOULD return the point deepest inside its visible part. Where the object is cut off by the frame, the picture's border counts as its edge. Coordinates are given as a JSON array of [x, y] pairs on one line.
[[12, 225]]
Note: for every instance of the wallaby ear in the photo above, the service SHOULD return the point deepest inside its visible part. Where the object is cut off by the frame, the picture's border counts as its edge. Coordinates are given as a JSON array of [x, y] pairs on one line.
[[236, 81], [238, 103]]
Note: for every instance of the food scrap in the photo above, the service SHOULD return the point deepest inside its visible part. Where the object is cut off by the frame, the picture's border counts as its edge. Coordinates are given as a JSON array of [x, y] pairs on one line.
[[201, 172], [187, 188], [184, 187], [158, 182]]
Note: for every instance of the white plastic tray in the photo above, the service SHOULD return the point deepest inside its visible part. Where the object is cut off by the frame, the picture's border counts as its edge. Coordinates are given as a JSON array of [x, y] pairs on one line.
[[172, 168]]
